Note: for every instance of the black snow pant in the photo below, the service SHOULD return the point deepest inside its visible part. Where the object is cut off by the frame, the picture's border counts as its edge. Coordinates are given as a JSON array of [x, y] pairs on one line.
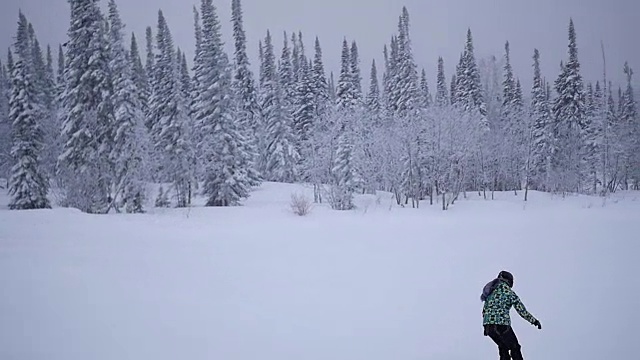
[[506, 339]]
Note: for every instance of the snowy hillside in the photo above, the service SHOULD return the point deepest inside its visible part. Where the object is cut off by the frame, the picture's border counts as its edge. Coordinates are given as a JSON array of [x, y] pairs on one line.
[[378, 283]]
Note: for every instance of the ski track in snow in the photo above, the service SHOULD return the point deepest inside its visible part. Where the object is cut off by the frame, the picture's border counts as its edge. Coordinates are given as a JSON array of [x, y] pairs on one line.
[[377, 283]]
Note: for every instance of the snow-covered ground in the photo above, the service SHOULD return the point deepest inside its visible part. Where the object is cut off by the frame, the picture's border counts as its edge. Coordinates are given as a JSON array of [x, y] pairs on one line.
[[377, 283]]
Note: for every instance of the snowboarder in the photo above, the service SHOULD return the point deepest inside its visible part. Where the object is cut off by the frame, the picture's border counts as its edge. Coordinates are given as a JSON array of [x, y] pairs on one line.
[[498, 298]]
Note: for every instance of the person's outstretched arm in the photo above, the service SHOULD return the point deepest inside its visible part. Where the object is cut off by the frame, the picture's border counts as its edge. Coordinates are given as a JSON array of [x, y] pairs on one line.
[[522, 311]]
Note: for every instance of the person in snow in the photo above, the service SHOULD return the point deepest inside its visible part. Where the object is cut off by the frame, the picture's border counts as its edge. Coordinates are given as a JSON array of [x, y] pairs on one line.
[[498, 298]]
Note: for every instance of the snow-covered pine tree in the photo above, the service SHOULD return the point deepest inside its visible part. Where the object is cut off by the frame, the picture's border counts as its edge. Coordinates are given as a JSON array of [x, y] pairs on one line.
[[39, 70], [425, 93], [452, 90], [508, 88], [44, 85], [408, 101], [455, 82], [411, 141], [539, 161], [285, 75], [149, 68], [600, 137], [198, 68], [519, 98], [303, 59], [162, 200], [50, 78], [368, 121], [304, 104], [185, 78], [342, 168], [129, 149], [301, 51], [5, 125], [590, 137], [59, 90], [10, 61], [333, 96], [341, 196], [61, 65], [614, 149], [262, 71], [295, 55], [287, 84], [320, 85], [187, 93], [386, 80], [588, 100], [345, 92], [424, 152], [406, 79], [569, 117], [4, 84], [316, 154], [508, 133], [197, 27], [280, 156], [442, 96], [373, 96], [38, 61], [469, 89], [139, 75], [395, 90], [470, 98], [495, 145], [630, 133], [87, 114], [169, 116], [548, 92], [521, 130], [222, 145], [246, 96], [490, 73], [356, 76], [151, 55], [28, 184], [50, 121]]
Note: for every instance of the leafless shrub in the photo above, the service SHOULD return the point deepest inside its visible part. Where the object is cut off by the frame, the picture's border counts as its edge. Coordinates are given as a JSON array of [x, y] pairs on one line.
[[300, 204]]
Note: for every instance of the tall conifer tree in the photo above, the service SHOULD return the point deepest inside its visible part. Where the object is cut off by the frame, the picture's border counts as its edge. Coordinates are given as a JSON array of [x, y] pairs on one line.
[[128, 151], [28, 184], [280, 161], [87, 113], [246, 96], [569, 117], [169, 117]]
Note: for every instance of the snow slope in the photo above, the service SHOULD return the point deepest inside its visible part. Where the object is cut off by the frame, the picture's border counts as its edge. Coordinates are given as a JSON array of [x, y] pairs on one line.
[[378, 283]]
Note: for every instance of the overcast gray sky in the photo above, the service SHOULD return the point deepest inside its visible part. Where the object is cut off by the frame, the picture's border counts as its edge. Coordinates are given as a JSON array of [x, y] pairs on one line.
[[438, 28]]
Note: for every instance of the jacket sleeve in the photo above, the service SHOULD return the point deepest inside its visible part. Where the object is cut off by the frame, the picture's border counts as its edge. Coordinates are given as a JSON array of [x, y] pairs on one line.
[[522, 310]]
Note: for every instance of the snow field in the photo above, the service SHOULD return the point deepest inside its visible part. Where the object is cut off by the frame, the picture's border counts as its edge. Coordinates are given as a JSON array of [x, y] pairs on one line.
[[379, 282]]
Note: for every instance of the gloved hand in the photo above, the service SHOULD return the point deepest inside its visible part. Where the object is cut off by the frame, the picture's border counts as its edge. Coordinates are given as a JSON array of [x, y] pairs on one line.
[[537, 324]]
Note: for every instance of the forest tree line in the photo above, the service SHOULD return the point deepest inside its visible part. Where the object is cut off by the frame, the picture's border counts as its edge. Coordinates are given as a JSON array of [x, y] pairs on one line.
[[99, 124]]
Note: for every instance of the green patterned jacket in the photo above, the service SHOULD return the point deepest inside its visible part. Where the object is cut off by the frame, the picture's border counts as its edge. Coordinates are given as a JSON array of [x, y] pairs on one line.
[[498, 304]]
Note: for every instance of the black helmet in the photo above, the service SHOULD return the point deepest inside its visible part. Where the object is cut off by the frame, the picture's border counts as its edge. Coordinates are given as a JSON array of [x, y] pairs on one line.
[[506, 276]]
